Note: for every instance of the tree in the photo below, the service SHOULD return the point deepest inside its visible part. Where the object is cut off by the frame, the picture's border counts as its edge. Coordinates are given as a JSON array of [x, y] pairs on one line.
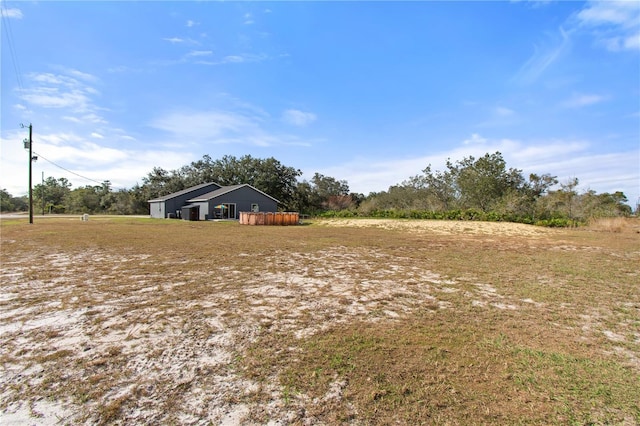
[[84, 200], [302, 197], [540, 184], [53, 192], [326, 186], [566, 195], [591, 204], [161, 182], [9, 203], [483, 182], [328, 193], [5, 201], [440, 188]]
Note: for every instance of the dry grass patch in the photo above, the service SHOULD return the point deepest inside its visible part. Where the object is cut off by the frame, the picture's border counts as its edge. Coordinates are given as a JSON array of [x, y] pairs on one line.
[[132, 321], [615, 224]]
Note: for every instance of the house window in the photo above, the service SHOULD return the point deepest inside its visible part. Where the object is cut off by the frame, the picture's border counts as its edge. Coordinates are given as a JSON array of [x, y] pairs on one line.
[[255, 208]]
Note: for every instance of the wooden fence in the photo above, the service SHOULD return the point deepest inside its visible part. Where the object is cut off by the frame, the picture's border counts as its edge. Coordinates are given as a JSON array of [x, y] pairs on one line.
[[268, 218]]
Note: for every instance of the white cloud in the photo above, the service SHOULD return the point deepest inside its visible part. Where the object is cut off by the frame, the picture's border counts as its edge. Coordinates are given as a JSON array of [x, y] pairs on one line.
[[96, 135], [120, 69], [69, 92], [191, 23], [204, 125], [543, 57], [181, 40], [235, 59], [174, 40], [298, 118], [504, 112], [81, 75], [474, 139], [623, 13], [582, 100], [198, 53], [618, 43], [614, 24], [248, 19], [53, 98], [203, 128], [244, 57], [123, 167], [13, 12]]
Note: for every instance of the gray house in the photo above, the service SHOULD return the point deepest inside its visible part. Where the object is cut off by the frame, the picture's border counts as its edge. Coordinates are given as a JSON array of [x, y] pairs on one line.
[[212, 201], [172, 203], [227, 201]]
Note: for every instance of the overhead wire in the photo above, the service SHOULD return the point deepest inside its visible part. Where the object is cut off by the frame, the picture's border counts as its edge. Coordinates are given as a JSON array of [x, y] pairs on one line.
[[67, 170], [6, 24]]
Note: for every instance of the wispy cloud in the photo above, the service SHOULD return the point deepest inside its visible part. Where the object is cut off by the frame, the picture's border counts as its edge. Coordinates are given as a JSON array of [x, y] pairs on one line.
[[503, 111], [221, 127], [13, 13], [174, 40], [583, 100], [614, 24], [191, 23], [60, 91], [543, 57], [474, 139], [248, 19], [123, 167], [235, 59], [298, 118], [52, 97], [198, 53], [90, 78], [181, 40]]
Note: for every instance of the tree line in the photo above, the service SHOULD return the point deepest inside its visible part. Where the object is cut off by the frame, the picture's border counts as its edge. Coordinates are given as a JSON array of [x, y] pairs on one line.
[[472, 188]]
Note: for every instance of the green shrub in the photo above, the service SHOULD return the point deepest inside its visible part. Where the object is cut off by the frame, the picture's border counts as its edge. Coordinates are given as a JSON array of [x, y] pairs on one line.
[[558, 222]]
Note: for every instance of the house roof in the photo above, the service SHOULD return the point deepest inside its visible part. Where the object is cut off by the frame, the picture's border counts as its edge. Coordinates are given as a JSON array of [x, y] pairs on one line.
[[225, 190], [183, 192]]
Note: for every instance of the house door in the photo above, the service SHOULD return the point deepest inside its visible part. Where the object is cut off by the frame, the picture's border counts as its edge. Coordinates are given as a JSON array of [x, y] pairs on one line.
[[194, 213], [229, 212]]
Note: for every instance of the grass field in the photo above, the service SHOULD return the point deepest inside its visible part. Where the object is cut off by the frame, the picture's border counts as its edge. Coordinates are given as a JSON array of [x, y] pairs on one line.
[[363, 322]]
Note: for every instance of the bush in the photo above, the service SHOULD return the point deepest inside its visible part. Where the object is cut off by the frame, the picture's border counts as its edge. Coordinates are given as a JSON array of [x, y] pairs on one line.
[[338, 213], [559, 223]]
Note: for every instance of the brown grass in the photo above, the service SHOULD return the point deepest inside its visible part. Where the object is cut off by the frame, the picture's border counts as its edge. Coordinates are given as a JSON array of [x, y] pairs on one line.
[[615, 224], [121, 320]]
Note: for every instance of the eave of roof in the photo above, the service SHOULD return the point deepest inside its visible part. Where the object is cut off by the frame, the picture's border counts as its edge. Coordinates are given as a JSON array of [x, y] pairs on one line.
[[183, 192], [225, 190]]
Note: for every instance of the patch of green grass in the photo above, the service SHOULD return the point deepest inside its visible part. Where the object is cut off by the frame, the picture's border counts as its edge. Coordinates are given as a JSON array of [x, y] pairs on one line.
[[431, 372]]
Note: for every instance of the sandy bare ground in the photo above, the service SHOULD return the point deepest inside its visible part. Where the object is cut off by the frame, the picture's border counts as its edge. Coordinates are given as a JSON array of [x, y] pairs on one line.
[[167, 344], [445, 227], [176, 356]]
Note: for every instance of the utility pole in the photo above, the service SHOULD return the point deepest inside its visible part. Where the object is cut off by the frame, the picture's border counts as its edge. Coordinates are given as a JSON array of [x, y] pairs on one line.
[[28, 143], [42, 193]]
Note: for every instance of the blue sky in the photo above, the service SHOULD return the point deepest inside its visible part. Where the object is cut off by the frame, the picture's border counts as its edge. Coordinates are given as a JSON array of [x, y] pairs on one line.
[[368, 92]]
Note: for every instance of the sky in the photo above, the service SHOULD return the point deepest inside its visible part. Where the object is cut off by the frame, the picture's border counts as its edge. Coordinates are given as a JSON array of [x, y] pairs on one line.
[[367, 92]]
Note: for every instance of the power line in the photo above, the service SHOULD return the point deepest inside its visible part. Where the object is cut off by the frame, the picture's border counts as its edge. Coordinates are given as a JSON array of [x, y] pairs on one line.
[[14, 58], [67, 170]]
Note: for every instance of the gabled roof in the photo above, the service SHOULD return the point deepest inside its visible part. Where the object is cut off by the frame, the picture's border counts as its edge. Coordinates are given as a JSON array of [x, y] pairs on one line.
[[184, 192], [225, 190]]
